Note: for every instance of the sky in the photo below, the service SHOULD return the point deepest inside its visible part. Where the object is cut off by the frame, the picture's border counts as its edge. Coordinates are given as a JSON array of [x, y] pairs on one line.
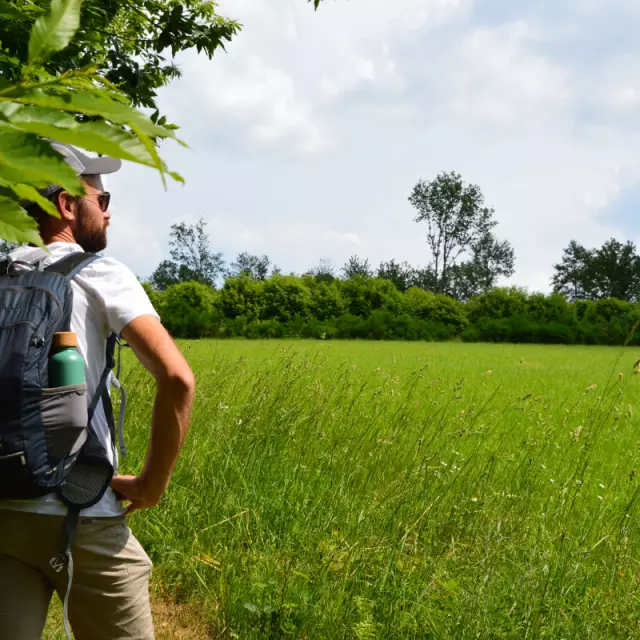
[[307, 136]]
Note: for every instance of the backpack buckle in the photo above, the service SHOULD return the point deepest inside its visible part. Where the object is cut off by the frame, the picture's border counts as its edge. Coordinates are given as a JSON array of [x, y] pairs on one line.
[[59, 562]]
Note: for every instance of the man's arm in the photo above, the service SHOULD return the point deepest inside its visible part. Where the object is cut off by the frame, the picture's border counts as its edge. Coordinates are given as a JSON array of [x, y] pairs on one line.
[[175, 382]]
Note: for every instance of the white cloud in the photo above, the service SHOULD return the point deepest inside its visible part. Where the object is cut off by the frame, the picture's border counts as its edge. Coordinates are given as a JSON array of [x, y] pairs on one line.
[[496, 77], [308, 135]]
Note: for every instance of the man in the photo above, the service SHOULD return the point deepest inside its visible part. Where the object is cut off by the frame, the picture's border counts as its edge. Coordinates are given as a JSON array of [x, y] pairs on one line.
[[109, 597]]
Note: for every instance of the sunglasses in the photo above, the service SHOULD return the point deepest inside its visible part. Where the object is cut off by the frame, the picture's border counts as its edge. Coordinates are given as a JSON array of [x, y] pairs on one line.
[[104, 198]]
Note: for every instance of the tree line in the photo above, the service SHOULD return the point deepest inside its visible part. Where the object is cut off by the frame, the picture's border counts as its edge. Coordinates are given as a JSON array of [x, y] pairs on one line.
[[307, 306], [454, 297], [466, 256]]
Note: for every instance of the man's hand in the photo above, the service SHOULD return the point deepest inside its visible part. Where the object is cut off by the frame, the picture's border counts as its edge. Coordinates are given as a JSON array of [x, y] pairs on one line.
[[175, 388], [132, 489]]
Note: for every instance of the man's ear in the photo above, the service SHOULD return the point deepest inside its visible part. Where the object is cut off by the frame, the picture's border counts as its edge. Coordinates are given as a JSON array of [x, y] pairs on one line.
[[66, 205]]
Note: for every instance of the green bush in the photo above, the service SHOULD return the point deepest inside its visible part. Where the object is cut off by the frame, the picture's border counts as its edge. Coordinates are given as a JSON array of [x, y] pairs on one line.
[[265, 329], [326, 301], [552, 308], [362, 295], [285, 298], [189, 310], [242, 297], [156, 297], [497, 303], [493, 330], [437, 308], [557, 333], [373, 309]]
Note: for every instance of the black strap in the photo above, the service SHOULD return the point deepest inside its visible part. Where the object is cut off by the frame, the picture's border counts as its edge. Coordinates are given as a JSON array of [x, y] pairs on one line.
[[69, 531], [71, 526], [102, 390], [71, 265]]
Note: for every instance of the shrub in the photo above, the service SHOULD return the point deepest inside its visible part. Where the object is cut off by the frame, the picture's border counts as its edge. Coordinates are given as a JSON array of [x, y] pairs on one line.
[[285, 298], [265, 329], [242, 297], [497, 303], [189, 310], [326, 301], [552, 308], [156, 297], [362, 295], [436, 308], [372, 308]]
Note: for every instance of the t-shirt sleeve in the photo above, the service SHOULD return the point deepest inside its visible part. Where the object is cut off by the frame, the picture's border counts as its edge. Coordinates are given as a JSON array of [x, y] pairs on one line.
[[119, 293]]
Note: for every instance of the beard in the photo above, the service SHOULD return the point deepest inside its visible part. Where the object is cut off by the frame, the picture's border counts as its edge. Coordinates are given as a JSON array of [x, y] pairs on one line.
[[90, 233]]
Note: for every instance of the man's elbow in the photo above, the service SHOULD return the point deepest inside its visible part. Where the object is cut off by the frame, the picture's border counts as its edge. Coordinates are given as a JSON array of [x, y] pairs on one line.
[[180, 383]]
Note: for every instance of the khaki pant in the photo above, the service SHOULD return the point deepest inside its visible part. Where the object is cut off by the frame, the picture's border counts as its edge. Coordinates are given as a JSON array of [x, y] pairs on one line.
[[110, 589]]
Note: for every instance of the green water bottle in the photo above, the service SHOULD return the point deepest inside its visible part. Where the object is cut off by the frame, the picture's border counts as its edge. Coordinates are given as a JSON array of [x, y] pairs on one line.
[[66, 365]]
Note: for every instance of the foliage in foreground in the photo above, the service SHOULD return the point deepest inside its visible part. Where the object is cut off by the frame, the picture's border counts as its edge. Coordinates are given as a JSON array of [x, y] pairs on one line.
[[128, 42], [354, 490], [78, 107]]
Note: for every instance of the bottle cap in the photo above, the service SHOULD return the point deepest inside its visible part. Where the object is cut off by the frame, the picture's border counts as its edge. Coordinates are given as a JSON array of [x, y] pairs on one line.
[[64, 339]]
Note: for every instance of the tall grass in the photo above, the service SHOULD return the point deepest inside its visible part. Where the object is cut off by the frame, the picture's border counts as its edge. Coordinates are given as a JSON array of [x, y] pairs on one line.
[[383, 490]]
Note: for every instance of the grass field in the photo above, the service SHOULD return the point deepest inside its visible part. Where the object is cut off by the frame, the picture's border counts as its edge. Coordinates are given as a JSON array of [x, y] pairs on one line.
[[391, 490]]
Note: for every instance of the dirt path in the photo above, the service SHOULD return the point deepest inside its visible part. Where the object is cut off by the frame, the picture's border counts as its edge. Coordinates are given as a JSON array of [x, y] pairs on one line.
[[172, 622], [178, 622]]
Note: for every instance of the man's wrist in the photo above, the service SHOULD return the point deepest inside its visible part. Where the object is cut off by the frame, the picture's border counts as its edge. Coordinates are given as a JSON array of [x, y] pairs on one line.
[[152, 484]]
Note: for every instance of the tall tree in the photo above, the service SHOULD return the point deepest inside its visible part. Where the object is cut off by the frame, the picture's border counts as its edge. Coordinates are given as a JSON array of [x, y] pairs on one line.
[[457, 223], [615, 271], [192, 258], [132, 42], [612, 271], [572, 277], [250, 266], [402, 275], [356, 267], [426, 279], [490, 260], [165, 274]]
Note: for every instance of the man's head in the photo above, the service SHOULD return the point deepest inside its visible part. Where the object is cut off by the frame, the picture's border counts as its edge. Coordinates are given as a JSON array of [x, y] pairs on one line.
[[83, 219]]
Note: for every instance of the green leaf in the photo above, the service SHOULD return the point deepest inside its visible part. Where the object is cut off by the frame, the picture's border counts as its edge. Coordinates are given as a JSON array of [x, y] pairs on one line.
[[27, 193], [16, 225], [36, 160], [53, 32], [176, 176], [99, 137], [151, 148], [89, 104], [8, 10], [10, 174]]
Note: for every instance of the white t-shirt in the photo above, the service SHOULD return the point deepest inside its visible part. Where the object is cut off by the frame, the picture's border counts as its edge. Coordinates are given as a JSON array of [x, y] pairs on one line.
[[106, 298]]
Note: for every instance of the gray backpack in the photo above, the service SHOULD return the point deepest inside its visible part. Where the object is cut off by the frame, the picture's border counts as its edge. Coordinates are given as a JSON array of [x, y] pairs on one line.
[[47, 442], [45, 433]]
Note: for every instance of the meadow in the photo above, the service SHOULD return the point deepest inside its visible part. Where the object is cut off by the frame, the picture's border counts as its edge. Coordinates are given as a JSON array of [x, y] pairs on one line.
[[399, 490]]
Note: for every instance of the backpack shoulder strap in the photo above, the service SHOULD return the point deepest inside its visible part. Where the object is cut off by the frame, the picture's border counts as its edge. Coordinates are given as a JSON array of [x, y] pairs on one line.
[[102, 390], [71, 265]]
